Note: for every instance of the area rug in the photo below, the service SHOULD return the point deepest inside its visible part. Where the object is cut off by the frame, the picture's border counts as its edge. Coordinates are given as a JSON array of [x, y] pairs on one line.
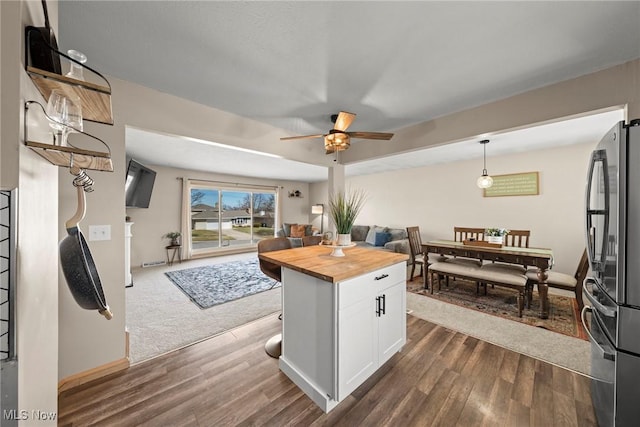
[[216, 284], [564, 316]]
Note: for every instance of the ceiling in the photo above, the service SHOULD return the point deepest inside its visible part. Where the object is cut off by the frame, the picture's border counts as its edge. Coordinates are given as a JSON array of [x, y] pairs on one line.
[[394, 64], [193, 154]]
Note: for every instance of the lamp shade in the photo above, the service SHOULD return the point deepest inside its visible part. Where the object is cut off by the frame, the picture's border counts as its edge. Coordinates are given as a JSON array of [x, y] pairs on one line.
[[485, 181], [317, 209]]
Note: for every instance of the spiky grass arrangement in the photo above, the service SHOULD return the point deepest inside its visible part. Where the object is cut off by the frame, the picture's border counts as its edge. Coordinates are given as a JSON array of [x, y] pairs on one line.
[[344, 208]]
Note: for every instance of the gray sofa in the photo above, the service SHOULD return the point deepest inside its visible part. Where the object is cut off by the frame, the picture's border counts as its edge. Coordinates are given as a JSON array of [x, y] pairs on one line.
[[382, 238]]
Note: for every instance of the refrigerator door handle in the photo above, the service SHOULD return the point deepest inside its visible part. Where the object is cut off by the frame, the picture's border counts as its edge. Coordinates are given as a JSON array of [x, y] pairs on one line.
[[609, 312], [605, 354], [597, 156]]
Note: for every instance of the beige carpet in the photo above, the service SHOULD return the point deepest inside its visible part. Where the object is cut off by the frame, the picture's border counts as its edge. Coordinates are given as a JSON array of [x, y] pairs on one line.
[[161, 318]]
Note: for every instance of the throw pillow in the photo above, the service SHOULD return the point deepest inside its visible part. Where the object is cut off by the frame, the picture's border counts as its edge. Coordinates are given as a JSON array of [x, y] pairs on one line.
[[287, 229], [308, 230], [359, 233], [371, 235], [297, 230], [382, 238], [397, 233]]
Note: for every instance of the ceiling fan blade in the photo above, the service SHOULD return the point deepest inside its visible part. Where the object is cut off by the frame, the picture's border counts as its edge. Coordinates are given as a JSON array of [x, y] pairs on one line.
[[344, 120], [371, 135], [301, 137]]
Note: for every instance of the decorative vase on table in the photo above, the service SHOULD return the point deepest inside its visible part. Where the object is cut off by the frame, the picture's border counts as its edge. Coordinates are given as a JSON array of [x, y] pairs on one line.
[[496, 235], [344, 239], [495, 239]]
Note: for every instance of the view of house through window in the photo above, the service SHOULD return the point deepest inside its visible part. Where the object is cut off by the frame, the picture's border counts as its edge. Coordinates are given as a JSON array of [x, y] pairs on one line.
[[222, 217]]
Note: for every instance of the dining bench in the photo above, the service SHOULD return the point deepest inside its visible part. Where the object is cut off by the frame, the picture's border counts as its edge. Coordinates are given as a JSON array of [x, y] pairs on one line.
[[507, 279]]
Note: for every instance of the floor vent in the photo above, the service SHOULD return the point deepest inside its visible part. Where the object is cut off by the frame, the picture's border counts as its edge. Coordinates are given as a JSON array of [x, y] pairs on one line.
[[153, 263]]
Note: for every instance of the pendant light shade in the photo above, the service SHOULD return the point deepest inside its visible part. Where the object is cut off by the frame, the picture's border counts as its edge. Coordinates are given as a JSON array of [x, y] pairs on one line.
[[485, 181]]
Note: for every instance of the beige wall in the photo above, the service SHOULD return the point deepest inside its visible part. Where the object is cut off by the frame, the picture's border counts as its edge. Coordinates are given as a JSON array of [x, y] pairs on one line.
[[439, 197], [164, 212], [35, 178]]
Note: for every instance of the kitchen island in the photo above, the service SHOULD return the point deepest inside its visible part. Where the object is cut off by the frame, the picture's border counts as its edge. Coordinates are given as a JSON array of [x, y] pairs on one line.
[[342, 317]]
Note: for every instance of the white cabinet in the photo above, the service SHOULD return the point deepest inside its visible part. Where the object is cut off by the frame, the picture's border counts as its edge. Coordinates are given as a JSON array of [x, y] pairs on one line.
[[336, 335], [392, 321]]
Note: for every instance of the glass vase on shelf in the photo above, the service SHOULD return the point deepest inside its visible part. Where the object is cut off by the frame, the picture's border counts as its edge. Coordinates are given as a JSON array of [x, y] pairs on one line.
[[65, 115], [76, 70]]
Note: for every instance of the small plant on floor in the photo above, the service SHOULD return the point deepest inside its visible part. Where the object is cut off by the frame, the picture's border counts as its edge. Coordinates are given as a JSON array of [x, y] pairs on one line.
[[174, 236]]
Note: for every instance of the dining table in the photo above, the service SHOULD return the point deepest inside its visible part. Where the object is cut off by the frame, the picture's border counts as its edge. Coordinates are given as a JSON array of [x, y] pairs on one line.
[[542, 258]]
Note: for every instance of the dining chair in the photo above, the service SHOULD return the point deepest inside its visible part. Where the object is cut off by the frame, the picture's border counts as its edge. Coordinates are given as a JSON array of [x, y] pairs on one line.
[[461, 234], [273, 346], [564, 281], [415, 248], [519, 238]]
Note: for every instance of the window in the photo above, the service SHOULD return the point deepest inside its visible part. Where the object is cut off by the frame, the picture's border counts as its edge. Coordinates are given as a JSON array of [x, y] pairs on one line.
[[229, 217]]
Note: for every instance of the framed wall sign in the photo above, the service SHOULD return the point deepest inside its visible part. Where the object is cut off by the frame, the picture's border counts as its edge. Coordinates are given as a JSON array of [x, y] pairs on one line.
[[514, 184]]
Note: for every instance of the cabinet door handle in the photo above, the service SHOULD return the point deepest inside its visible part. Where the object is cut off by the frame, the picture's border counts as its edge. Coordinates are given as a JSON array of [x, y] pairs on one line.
[[384, 304], [382, 276], [377, 306]]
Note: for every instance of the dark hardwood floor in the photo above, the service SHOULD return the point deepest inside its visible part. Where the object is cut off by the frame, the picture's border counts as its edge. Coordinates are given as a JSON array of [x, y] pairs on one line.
[[441, 377]]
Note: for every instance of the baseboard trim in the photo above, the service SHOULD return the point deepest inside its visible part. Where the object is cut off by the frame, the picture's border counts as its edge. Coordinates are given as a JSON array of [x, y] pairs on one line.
[[92, 374]]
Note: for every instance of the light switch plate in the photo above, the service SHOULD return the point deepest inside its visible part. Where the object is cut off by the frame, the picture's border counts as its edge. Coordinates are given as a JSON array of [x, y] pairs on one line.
[[99, 232]]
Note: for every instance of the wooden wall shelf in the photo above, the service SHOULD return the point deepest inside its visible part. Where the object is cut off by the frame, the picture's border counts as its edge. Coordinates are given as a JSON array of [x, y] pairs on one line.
[[84, 159], [95, 99]]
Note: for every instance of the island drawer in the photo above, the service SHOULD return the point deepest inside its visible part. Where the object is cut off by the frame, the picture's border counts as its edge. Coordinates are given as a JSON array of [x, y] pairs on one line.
[[354, 290]]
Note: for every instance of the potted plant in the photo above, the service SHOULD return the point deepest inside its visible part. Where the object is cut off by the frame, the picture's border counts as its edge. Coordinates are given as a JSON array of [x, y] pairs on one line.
[[343, 209], [174, 236], [496, 235]]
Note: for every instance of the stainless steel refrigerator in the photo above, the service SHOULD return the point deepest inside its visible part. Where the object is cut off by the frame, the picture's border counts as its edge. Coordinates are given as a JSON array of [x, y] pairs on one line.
[[613, 288]]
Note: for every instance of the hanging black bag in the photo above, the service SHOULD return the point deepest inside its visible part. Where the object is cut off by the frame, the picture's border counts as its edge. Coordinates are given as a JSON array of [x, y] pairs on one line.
[[41, 45]]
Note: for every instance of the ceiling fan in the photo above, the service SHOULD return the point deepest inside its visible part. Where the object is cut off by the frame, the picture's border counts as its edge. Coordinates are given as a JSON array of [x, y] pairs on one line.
[[338, 139]]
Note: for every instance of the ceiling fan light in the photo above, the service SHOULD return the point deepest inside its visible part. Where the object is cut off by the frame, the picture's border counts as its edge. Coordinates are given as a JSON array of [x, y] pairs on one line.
[[337, 141]]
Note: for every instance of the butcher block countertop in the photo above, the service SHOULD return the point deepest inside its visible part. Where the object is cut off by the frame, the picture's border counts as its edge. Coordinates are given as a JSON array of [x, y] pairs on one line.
[[316, 261]]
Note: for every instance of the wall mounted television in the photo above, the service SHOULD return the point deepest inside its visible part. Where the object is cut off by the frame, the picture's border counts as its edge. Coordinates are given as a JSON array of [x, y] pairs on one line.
[[138, 185]]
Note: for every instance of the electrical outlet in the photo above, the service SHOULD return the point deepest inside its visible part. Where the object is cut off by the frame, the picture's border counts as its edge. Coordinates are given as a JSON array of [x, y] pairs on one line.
[[99, 232]]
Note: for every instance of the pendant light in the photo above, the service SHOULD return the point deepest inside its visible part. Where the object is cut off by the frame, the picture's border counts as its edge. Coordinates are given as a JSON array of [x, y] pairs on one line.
[[485, 181]]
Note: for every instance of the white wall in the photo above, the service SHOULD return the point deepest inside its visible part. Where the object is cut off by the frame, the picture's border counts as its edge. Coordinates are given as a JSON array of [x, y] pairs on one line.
[[163, 214], [35, 178], [439, 197]]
